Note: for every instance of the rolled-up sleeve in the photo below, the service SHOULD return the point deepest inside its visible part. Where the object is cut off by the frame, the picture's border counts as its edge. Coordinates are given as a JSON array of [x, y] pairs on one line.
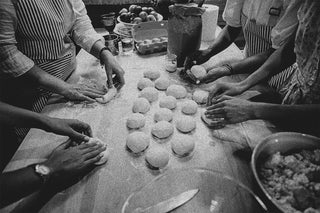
[[13, 63], [287, 25], [232, 12], [83, 33]]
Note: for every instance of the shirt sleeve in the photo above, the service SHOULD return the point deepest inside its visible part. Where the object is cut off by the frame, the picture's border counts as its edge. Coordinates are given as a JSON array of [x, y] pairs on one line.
[[13, 63], [232, 12], [286, 26], [83, 33]]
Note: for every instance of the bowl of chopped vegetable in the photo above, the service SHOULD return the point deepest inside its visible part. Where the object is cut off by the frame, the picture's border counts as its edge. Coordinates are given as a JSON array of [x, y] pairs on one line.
[[286, 166]]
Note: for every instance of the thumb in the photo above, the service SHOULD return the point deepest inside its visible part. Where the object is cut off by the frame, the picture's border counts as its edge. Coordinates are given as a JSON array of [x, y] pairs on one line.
[[211, 95], [109, 76], [77, 136]]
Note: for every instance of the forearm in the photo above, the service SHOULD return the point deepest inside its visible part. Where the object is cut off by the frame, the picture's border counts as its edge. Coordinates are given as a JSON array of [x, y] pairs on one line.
[[302, 113], [20, 117], [45, 80], [224, 39], [276, 63], [251, 64], [18, 184]]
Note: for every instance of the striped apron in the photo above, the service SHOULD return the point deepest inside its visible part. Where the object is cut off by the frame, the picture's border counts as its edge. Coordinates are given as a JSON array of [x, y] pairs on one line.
[[42, 36], [258, 39]]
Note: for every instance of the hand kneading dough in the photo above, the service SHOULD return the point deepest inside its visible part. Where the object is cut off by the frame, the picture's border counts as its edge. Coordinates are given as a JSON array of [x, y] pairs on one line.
[[144, 82], [185, 124], [105, 153], [162, 129], [138, 142], [198, 71], [183, 145], [151, 74], [200, 96], [162, 83], [136, 121], [108, 96], [157, 158], [163, 114], [141, 105], [189, 107], [149, 93], [177, 91], [169, 102]]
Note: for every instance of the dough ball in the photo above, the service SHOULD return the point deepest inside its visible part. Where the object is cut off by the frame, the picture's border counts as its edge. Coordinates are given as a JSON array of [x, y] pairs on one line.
[[163, 114], [138, 142], [162, 129], [198, 71], [162, 83], [200, 96], [145, 82], [151, 74], [185, 124], [183, 145], [141, 105], [157, 158], [169, 102], [189, 107], [149, 93], [105, 153], [177, 91], [136, 121]]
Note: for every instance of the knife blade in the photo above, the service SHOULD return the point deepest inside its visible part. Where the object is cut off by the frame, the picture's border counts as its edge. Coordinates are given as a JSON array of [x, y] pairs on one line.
[[170, 204]]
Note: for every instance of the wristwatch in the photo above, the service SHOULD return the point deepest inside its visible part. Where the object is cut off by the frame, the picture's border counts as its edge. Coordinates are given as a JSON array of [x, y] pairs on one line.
[[42, 171]]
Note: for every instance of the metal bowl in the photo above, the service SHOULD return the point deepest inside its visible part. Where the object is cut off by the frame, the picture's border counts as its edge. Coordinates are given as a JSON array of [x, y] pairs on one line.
[[284, 142]]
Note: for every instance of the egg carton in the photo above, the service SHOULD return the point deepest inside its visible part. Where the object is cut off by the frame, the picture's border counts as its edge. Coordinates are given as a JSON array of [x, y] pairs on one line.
[[151, 37]]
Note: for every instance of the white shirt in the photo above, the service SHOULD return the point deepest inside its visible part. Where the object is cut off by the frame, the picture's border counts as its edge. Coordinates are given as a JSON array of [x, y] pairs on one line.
[[284, 24]]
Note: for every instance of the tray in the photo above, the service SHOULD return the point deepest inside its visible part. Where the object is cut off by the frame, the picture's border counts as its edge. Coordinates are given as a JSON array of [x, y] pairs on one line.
[[151, 37]]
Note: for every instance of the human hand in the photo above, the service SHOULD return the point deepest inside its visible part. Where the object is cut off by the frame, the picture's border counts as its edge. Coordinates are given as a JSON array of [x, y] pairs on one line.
[[214, 74], [225, 88], [113, 67], [67, 162], [228, 110], [197, 58], [75, 129], [80, 92]]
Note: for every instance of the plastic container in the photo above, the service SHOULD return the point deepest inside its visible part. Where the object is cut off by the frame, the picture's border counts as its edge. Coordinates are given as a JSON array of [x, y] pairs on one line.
[[150, 37]]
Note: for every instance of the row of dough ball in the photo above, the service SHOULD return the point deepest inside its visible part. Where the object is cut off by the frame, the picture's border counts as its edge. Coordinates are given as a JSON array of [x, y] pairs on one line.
[[163, 128], [142, 104], [158, 158]]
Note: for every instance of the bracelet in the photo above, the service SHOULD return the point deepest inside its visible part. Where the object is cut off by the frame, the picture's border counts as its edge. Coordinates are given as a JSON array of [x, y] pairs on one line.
[[229, 67], [102, 49]]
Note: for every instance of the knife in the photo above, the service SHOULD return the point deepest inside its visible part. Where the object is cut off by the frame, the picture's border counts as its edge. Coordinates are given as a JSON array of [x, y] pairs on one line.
[[170, 204]]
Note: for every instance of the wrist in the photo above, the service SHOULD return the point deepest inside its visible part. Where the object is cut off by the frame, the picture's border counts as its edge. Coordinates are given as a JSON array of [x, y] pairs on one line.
[[42, 171], [44, 122], [105, 55]]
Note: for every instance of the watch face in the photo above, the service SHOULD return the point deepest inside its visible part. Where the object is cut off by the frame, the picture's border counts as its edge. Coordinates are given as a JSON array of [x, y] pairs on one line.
[[43, 170]]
